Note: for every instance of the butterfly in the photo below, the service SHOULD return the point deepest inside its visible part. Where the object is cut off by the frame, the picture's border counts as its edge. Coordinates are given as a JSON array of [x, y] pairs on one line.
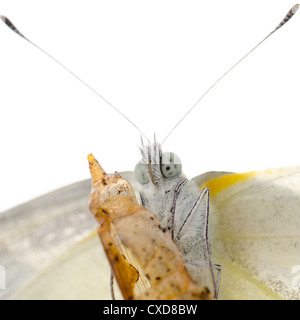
[[212, 200]]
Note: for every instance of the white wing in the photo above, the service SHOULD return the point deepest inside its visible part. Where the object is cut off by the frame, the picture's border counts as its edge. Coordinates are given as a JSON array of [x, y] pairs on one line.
[[50, 250], [255, 233]]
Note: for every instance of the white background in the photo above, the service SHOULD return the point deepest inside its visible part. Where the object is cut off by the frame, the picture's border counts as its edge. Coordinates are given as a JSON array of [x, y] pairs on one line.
[[152, 60]]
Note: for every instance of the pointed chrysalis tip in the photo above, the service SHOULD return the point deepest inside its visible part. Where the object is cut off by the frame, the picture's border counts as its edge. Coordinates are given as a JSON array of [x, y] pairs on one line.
[[90, 158], [97, 172]]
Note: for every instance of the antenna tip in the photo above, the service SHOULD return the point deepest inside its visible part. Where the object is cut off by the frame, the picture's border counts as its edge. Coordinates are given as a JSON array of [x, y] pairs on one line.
[[12, 26], [295, 8]]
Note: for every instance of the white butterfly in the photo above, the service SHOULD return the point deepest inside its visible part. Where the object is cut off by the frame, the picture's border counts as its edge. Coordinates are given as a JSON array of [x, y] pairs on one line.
[[228, 248]]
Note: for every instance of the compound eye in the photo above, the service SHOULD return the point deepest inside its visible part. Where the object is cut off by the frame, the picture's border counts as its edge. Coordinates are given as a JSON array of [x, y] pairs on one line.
[[170, 165], [141, 173]]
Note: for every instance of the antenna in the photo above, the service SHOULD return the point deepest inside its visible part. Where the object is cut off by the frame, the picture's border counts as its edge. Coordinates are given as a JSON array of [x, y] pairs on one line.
[[13, 28], [288, 16]]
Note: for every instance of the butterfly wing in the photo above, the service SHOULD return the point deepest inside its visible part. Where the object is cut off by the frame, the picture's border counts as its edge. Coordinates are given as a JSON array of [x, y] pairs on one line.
[[49, 249], [80, 272], [255, 233]]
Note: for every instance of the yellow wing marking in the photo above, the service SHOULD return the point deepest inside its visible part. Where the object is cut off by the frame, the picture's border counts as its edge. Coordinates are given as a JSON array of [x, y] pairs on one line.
[[217, 185]]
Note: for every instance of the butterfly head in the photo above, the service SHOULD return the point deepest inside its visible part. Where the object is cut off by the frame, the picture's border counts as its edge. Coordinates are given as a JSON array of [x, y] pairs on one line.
[[156, 166]]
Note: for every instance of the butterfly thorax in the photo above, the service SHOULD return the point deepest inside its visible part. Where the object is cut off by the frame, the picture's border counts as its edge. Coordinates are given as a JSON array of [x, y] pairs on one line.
[[166, 192]]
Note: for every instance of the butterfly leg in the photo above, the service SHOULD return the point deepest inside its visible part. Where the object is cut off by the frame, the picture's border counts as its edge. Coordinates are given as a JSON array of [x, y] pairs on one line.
[[217, 267], [199, 201], [203, 199], [112, 292]]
